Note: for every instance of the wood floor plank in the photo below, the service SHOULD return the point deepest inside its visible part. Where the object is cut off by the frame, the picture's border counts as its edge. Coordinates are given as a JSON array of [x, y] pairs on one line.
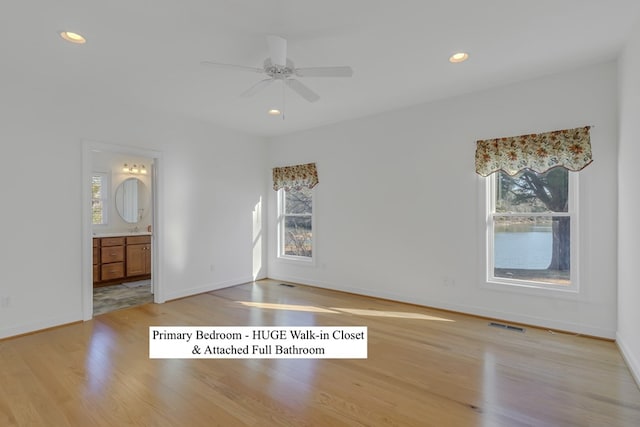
[[425, 367]]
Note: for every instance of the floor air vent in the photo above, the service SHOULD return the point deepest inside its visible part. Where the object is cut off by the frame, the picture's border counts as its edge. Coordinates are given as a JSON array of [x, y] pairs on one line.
[[509, 327], [287, 285]]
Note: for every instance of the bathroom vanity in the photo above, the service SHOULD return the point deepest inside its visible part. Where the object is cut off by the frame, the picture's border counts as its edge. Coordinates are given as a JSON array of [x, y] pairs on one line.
[[121, 258]]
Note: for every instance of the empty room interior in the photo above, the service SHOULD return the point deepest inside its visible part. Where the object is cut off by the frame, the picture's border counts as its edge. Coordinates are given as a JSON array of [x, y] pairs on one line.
[[453, 179]]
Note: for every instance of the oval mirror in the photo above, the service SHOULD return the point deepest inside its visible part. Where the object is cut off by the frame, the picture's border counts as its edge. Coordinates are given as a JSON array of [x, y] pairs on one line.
[[131, 199]]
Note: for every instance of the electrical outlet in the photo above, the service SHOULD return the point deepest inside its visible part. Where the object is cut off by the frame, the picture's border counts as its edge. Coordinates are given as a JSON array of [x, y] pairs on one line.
[[448, 281]]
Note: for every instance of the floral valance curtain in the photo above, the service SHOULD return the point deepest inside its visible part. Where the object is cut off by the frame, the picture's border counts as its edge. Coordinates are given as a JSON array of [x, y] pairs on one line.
[[568, 148], [296, 177]]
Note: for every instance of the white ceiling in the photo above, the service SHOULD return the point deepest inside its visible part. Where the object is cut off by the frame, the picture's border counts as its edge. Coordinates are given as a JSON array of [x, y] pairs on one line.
[[147, 53]]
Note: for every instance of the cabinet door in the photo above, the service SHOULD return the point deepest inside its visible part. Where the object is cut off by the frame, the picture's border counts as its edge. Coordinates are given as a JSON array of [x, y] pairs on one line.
[[137, 263], [147, 259]]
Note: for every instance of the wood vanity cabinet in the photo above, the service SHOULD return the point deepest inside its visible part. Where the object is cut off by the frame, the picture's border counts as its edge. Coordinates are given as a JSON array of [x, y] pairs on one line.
[[111, 258], [96, 260], [138, 255], [121, 259]]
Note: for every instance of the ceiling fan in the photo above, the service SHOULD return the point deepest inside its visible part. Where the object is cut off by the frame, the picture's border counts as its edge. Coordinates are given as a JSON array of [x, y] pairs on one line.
[[278, 67]]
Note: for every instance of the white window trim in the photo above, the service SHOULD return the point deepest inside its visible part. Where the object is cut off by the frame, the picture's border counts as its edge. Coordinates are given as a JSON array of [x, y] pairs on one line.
[[299, 260], [571, 291]]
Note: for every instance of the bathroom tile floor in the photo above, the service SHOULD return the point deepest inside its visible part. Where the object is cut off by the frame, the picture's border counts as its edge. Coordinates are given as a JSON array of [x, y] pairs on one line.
[[123, 295]]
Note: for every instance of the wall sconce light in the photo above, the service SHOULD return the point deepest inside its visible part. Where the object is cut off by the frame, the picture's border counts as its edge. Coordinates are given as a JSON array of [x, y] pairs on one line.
[[134, 169]]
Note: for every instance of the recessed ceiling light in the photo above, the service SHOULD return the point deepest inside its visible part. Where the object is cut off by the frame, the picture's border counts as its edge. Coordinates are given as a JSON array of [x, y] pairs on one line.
[[274, 112], [73, 37], [459, 57]]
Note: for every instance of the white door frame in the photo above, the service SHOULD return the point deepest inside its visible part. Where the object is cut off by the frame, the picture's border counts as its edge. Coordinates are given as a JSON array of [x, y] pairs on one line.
[[87, 237]]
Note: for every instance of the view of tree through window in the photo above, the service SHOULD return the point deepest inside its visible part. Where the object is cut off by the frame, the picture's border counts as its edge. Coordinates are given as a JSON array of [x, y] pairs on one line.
[[531, 226], [297, 227], [98, 198]]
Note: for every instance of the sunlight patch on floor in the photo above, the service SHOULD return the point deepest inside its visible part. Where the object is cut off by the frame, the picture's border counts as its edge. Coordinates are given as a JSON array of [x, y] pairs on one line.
[[396, 314], [292, 307], [336, 310]]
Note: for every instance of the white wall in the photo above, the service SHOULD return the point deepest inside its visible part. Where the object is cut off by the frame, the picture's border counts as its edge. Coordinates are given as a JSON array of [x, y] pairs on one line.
[[628, 336], [213, 178], [398, 212]]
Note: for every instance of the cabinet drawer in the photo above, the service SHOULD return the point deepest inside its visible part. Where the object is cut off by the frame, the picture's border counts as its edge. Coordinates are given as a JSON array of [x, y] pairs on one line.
[[96, 256], [112, 254], [112, 271], [96, 273], [96, 242], [112, 241], [138, 240]]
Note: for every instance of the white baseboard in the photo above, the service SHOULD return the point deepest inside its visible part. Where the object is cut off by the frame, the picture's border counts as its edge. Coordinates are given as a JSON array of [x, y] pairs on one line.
[[182, 293], [461, 308], [40, 325], [632, 362]]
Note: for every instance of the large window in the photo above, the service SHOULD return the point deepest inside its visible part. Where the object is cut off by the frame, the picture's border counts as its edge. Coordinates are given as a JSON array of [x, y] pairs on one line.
[[99, 192], [531, 229], [295, 224]]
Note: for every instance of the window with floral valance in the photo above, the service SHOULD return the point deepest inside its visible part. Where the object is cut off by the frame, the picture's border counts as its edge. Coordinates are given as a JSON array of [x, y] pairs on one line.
[[295, 177], [294, 184], [568, 148], [531, 209]]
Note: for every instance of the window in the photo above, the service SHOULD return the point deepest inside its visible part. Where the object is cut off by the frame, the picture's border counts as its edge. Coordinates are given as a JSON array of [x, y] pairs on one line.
[[295, 210], [295, 223], [99, 191], [531, 229]]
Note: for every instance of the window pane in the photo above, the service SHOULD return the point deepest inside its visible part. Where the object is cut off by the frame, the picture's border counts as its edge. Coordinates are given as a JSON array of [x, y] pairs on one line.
[[298, 201], [96, 211], [97, 199], [96, 186], [532, 248], [297, 236], [530, 191]]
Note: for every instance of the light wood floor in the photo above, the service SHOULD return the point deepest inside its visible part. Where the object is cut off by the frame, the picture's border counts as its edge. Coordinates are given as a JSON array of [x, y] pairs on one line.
[[425, 368]]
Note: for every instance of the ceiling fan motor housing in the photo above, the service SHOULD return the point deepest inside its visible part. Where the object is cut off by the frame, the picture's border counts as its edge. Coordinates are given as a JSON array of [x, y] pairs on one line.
[[277, 71]]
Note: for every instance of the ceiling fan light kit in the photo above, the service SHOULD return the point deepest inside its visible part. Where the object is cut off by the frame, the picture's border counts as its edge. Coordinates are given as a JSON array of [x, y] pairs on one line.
[[279, 67], [73, 37], [458, 57]]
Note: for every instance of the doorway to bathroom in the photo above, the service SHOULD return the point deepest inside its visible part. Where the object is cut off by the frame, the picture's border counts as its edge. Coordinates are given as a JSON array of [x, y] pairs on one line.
[[120, 232]]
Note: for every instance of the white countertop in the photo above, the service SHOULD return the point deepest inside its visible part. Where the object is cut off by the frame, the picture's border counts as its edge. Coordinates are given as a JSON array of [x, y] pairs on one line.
[[122, 233]]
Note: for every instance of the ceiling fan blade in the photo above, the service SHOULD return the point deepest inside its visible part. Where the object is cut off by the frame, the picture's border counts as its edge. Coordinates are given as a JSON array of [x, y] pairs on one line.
[[277, 50], [233, 67], [324, 72], [256, 88], [302, 90]]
